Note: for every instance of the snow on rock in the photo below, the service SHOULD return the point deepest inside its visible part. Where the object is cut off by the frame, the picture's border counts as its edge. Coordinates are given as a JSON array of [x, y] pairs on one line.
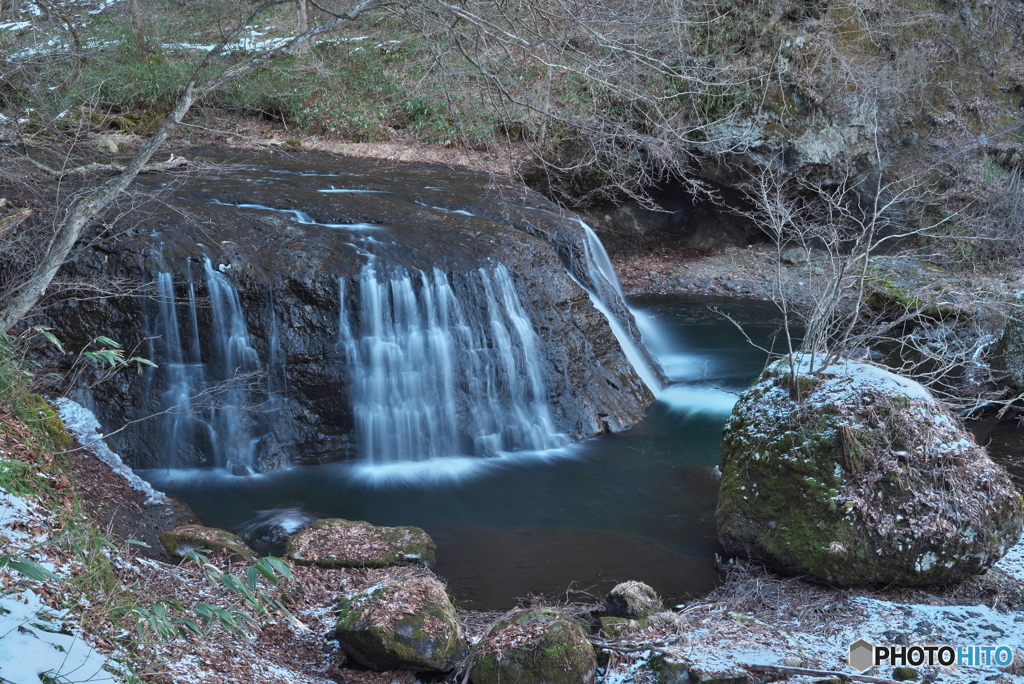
[[857, 476], [81, 422]]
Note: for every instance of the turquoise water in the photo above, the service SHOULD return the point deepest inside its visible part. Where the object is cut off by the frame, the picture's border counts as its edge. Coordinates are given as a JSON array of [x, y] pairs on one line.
[[635, 505]]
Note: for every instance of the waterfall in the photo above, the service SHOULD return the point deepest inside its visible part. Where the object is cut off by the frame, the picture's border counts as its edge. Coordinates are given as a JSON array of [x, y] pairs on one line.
[[431, 378], [605, 288], [206, 404]]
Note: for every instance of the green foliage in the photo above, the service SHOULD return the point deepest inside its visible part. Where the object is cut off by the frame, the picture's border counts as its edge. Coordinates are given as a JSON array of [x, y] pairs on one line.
[[22, 479], [109, 353], [167, 620], [28, 568]]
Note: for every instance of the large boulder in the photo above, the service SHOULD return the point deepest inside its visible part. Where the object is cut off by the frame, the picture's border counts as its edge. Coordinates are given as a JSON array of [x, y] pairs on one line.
[[183, 540], [535, 647], [401, 623], [854, 475], [337, 543]]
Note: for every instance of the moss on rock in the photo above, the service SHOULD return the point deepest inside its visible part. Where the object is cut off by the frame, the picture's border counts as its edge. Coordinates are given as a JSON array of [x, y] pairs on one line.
[[183, 540], [618, 627], [337, 543], [899, 286], [865, 479], [673, 667], [43, 420], [538, 646], [633, 600], [401, 623]]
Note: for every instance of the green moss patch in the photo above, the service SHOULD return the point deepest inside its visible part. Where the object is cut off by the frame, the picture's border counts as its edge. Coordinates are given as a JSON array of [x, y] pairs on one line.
[[401, 623], [860, 484], [538, 645]]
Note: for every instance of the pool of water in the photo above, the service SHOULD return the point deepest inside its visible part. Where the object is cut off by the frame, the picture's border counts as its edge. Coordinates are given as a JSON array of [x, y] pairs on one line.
[[635, 505]]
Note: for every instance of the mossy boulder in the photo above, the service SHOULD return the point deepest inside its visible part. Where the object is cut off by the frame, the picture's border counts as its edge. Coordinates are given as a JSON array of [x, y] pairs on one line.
[[899, 286], [538, 646], [401, 623], [856, 476], [633, 600], [337, 543], [618, 627], [183, 540], [1011, 345]]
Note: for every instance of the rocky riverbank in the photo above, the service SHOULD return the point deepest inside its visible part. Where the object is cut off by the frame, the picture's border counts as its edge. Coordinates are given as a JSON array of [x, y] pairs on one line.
[[754, 622]]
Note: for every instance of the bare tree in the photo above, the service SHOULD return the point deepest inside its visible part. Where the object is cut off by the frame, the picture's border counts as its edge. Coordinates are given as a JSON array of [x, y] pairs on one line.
[[840, 231], [77, 217]]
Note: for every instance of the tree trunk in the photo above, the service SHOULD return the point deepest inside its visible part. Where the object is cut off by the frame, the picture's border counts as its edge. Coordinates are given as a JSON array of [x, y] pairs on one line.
[[302, 23], [135, 17]]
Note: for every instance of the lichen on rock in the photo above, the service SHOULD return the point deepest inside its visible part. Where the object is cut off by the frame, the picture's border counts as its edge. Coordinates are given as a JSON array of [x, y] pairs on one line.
[[853, 475], [401, 623], [337, 543], [633, 600], [181, 541], [538, 646]]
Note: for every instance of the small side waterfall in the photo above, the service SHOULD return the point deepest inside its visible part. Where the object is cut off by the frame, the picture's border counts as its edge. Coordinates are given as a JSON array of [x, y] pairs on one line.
[[207, 402], [605, 288], [432, 377]]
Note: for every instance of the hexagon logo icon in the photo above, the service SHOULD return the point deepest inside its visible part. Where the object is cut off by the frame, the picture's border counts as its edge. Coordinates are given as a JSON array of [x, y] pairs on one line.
[[862, 655]]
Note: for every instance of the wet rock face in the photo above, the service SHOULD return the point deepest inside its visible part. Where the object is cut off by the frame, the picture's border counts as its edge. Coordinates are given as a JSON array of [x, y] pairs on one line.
[[536, 646], [305, 230], [403, 623], [855, 476]]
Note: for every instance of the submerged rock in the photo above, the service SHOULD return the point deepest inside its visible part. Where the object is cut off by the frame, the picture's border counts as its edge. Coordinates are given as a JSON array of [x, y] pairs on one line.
[[183, 540], [401, 623], [535, 647], [633, 600], [854, 475], [269, 530], [337, 543]]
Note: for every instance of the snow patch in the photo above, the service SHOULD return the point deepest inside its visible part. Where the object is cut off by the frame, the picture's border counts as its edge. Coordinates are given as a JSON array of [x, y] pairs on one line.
[[82, 423]]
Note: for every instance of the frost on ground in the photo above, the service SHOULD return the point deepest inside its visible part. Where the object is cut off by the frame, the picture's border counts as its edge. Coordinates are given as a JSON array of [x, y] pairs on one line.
[[81, 423], [760, 619], [36, 639]]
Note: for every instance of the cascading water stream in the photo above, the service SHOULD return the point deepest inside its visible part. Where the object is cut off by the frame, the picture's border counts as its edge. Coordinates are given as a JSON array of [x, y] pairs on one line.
[[206, 404], [685, 390], [432, 378], [605, 288]]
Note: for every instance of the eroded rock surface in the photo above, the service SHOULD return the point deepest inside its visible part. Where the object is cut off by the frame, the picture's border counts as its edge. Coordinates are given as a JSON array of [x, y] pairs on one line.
[[293, 238]]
